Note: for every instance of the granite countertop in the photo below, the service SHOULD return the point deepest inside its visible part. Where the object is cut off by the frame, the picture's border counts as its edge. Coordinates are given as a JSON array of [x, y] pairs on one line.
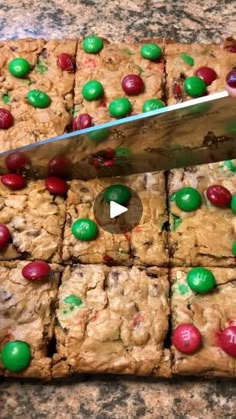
[[108, 396]]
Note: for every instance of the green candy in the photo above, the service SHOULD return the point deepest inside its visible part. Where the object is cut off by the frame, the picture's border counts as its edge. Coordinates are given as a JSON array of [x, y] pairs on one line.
[[92, 44], [117, 193], [92, 90], [188, 199], [6, 98], [38, 99], [152, 105], [234, 248], [84, 229], [16, 355], [120, 107], [19, 67], [187, 59], [176, 221], [73, 299], [233, 203], [229, 165], [201, 280], [122, 153], [194, 86], [151, 51], [99, 135]]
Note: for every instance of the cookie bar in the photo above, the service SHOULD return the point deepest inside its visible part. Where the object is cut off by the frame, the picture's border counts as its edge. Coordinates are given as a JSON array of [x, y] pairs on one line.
[[27, 314], [204, 235], [145, 244], [35, 219], [35, 122], [112, 320], [214, 316], [187, 60], [109, 66]]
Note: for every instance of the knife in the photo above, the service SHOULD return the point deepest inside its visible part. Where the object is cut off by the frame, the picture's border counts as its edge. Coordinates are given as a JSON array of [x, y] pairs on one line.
[[197, 131]]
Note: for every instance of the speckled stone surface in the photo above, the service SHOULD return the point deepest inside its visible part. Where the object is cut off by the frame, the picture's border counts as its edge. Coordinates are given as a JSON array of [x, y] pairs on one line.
[[107, 396]]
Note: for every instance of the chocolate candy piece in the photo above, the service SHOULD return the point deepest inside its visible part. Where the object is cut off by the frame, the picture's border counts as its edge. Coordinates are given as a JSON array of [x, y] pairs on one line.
[[5, 235], [207, 74], [6, 119], [81, 121], [132, 84], [92, 90], [151, 51], [120, 107], [13, 181], [231, 79], [187, 338], [218, 195], [117, 193], [19, 67], [188, 199], [17, 162], [194, 86], [85, 229], [38, 99], [16, 355], [56, 185], [59, 166], [152, 105], [201, 280], [92, 44], [227, 340], [187, 59], [36, 271], [66, 62]]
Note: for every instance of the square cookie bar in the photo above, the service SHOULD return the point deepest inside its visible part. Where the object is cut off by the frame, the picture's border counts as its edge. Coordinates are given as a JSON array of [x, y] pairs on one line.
[[42, 117], [35, 219], [112, 320], [211, 62], [145, 244], [27, 315], [110, 66], [204, 235], [204, 325]]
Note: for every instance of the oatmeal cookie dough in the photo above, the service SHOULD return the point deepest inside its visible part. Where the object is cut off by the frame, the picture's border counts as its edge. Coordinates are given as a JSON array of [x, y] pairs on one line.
[[212, 314], [203, 236], [27, 314], [35, 219], [186, 60], [112, 320], [32, 124], [145, 244], [109, 66]]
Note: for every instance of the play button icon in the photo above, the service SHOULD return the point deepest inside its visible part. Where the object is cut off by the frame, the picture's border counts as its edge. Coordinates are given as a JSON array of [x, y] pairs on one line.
[[116, 209], [119, 214]]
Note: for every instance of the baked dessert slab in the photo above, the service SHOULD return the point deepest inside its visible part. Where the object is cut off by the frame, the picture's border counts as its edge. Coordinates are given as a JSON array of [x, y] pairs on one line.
[[109, 67], [210, 313], [184, 60], [27, 314], [112, 320], [204, 236], [35, 219], [32, 124], [145, 244]]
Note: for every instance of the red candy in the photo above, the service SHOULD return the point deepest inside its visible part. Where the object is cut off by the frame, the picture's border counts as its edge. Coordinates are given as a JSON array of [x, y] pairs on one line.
[[81, 121], [132, 84], [5, 235], [109, 163], [231, 48], [227, 340], [218, 195], [16, 162], [13, 181], [109, 153], [207, 74], [66, 62], [56, 185], [58, 166], [231, 79], [187, 338], [35, 271], [177, 92], [6, 119]]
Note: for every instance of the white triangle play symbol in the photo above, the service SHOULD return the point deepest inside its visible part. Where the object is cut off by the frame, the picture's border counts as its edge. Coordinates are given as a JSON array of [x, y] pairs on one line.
[[116, 209]]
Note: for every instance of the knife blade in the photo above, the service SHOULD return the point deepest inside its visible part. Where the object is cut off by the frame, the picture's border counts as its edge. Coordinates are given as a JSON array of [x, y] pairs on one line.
[[198, 131]]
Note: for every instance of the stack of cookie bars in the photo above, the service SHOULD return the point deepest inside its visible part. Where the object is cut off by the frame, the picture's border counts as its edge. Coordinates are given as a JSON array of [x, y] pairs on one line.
[[111, 304]]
